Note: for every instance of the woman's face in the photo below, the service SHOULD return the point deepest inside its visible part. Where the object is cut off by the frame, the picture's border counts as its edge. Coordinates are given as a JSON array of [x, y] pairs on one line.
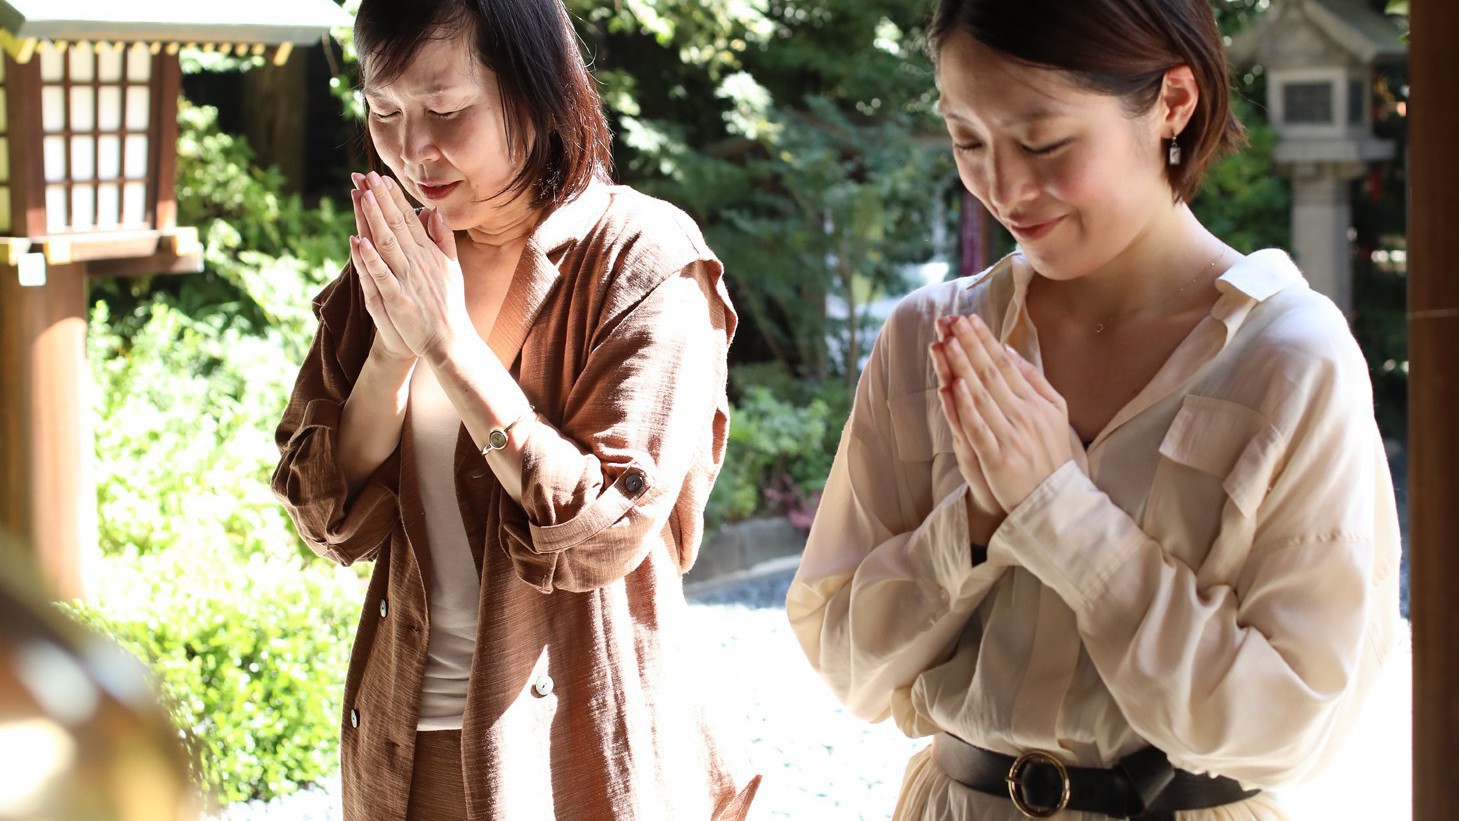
[[1069, 172], [441, 128]]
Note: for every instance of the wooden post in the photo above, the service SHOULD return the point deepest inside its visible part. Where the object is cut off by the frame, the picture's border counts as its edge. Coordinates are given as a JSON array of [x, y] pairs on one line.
[[1433, 380], [50, 487]]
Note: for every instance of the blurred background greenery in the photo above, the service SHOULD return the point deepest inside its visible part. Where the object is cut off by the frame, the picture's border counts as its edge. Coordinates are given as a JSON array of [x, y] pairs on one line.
[[798, 133]]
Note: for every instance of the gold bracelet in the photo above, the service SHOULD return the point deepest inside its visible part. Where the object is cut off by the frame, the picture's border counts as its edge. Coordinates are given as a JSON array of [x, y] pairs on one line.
[[496, 439]]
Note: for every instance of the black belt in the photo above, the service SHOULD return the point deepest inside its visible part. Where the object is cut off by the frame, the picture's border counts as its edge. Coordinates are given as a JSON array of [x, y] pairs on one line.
[[1141, 785]]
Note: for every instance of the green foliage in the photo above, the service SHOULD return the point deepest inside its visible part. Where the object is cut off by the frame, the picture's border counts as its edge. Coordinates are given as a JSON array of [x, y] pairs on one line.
[[187, 369], [1242, 200], [783, 437], [848, 208], [250, 655], [203, 574], [184, 417]]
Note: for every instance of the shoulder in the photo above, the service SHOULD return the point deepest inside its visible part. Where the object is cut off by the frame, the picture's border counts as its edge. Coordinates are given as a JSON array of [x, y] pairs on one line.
[[1297, 344], [986, 294], [647, 233]]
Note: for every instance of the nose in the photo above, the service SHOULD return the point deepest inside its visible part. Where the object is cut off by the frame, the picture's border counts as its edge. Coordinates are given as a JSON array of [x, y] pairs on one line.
[[417, 143], [1010, 181]]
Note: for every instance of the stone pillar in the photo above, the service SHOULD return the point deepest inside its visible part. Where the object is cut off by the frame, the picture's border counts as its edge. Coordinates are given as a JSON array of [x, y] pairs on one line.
[[1321, 219]]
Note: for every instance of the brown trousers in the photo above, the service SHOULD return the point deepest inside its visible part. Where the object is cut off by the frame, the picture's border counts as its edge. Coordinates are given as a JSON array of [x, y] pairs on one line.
[[437, 791]]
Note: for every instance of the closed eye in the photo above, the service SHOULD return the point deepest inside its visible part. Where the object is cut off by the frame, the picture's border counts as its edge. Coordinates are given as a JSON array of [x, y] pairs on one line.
[[1043, 150]]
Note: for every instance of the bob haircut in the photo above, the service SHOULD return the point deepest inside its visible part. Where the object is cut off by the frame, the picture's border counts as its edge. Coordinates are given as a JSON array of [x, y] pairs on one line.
[[545, 85], [1117, 47]]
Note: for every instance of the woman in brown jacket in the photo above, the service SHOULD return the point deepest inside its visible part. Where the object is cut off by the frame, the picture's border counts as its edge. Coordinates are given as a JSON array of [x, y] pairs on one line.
[[515, 407]]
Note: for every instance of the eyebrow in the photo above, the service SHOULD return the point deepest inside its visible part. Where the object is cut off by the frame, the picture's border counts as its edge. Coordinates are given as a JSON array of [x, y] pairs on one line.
[[436, 89], [1034, 115]]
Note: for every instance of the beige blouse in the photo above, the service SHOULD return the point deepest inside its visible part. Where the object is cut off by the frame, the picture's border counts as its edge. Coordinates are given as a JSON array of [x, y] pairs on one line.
[[581, 703], [1217, 575]]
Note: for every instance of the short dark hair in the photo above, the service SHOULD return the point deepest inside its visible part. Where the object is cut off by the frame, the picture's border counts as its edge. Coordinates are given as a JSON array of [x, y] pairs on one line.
[[1117, 47], [545, 85]]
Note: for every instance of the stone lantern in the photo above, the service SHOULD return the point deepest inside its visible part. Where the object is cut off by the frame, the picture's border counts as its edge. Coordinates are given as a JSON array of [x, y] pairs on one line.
[[1319, 56], [88, 133]]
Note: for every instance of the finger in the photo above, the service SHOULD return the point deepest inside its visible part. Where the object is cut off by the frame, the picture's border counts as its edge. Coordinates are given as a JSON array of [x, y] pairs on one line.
[[368, 288], [991, 373], [1037, 380], [944, 327], [973, 412], [399, 213], [956, 356], [954, 420], [441, 233], [380, 273], [939, 364], [362, 226], [385, 241], [1003, 356]]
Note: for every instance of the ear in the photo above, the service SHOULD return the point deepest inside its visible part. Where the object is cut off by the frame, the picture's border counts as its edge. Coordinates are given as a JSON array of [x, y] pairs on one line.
[[1179, 94]]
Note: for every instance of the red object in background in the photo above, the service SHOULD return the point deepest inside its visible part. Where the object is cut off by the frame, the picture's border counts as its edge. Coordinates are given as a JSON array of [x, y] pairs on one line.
[[972, 235]]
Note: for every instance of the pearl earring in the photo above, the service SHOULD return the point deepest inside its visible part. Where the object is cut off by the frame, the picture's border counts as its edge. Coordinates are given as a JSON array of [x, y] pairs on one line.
[[1173, 158]]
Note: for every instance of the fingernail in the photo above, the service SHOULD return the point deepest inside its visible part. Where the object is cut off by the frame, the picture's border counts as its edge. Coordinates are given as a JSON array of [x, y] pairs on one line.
[[357, 178], [373, 178], [370, 197], [388, 182]]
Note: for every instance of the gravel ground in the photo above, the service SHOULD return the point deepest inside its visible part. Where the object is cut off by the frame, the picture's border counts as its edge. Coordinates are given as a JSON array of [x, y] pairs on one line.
[[820, 762]]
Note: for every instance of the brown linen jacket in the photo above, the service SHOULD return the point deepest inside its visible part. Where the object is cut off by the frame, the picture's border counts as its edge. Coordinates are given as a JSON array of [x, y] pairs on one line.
[[580, 704]]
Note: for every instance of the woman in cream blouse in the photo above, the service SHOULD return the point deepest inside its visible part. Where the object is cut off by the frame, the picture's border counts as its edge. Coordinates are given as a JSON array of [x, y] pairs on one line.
[[1110, 521]]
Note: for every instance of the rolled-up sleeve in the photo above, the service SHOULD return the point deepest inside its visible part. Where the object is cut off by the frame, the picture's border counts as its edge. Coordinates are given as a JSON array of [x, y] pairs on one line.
[[640, 442], [888, 580], [308, 480]]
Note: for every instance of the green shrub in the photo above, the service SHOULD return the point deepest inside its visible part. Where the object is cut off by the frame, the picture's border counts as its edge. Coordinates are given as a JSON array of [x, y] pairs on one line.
[[783, 436], [251, 658], [184, 416]]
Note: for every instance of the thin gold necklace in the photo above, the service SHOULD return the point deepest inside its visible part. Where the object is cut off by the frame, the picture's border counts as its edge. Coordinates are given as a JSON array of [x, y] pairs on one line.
[[1107, 321]]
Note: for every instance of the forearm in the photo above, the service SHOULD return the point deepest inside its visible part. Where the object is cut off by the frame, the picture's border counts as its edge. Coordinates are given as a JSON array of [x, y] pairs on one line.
[[373, 416], [487, 398]]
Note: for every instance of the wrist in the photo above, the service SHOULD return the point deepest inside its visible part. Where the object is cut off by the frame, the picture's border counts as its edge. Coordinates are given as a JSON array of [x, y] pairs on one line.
[[451, 347], [398, 362], [982, 523]]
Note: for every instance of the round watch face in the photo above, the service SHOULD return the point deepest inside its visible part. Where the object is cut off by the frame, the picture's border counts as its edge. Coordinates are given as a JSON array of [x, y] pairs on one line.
[[497, 439]]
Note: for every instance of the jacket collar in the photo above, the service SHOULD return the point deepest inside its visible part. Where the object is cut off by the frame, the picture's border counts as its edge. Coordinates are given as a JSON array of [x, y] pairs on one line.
[[537, 272]]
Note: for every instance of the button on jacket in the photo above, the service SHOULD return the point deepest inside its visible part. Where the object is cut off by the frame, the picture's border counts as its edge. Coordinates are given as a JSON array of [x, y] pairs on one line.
[[1216, 576], [580, 704]]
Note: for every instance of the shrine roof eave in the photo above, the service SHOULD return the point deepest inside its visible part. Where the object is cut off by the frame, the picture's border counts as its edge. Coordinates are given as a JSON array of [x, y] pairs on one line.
[[269, 22]]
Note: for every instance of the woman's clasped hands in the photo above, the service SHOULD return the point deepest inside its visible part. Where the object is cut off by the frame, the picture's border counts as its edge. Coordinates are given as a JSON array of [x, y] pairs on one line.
[[1010, 428], [408, 270]]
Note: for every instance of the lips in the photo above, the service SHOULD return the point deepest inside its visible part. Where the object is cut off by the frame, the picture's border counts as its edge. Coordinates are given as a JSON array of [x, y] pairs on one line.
[[438, 191], [1030, 231]]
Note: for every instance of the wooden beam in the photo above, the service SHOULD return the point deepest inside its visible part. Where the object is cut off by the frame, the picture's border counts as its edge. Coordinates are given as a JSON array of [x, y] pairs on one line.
[[162, 197], [50, 488], [27, 159], [1433, 389], [159, 263]]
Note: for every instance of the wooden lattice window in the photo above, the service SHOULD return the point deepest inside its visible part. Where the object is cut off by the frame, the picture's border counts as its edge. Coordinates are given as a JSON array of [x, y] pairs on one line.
[[96, 120]]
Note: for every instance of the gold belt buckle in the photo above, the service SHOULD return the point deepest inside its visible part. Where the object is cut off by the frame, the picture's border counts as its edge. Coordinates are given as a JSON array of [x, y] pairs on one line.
[[1015, 784]]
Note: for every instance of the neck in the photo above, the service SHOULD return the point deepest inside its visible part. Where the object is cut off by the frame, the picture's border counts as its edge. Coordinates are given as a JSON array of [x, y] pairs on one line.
[[1170, 258], [507, 227]]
